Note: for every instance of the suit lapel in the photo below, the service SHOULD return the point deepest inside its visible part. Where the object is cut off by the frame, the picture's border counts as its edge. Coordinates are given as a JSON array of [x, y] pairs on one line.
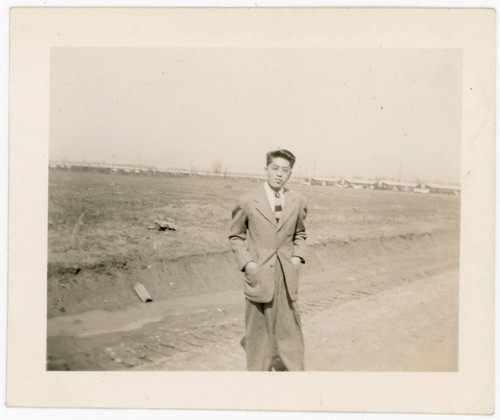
[[263, 207], [290, 203]]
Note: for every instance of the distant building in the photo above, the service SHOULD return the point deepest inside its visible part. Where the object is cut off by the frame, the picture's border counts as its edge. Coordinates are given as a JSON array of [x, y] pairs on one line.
[[422, 189], [398, 186], [443, 189], [323, 181], [360, 183]]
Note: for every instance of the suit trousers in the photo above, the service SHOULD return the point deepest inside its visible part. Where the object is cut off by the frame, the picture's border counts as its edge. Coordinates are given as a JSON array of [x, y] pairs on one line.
[[273, 337]]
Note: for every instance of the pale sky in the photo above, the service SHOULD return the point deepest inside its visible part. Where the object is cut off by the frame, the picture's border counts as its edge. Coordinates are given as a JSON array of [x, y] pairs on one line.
[[342, 112]]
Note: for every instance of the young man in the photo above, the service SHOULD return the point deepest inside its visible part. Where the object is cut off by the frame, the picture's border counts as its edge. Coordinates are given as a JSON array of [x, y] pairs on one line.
[[267, 236]]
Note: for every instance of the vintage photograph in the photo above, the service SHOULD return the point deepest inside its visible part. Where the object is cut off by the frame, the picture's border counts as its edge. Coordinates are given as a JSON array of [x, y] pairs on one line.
[[200, 198], [254, 208]]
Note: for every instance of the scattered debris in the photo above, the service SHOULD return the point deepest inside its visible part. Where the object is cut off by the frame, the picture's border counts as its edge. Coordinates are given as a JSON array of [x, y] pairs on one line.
[[171, 346], [112, 355], [142, 292], [162, 225]]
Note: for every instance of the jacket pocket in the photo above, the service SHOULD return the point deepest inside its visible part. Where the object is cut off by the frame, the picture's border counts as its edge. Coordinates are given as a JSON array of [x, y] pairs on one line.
[[252, 283], [252, 277]]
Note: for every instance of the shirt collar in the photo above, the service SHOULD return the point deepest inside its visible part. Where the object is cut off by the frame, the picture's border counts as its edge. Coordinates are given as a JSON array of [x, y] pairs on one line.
[[269, 190]]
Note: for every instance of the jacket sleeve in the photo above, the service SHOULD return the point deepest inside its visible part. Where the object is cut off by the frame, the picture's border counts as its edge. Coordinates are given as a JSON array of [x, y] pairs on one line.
[[238, 235], [299, 239]]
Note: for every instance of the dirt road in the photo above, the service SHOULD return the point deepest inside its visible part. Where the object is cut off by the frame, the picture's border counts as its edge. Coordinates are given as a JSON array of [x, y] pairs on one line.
[[391, 311]]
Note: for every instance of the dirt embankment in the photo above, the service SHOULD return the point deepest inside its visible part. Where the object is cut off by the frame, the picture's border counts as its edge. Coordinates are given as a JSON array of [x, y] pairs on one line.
[[355, 298], [110, 285]]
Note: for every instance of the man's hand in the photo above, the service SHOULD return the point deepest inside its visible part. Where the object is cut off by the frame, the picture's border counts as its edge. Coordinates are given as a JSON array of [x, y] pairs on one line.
[[251, 273], [296, 260], [250, 266]]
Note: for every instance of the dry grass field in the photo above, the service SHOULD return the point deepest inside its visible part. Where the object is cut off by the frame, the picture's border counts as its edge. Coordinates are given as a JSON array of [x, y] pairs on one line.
[[99, 243]]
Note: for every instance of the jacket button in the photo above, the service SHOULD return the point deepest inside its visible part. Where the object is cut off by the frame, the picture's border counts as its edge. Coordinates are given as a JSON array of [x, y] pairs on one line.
[[272, 265]]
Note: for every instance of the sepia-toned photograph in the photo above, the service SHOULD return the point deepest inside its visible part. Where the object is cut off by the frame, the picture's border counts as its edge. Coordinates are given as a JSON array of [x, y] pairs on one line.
[[194, 191], [219, 195]]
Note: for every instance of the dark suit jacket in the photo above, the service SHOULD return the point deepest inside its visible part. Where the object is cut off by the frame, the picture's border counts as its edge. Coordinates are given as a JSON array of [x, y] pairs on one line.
[[255, 236]]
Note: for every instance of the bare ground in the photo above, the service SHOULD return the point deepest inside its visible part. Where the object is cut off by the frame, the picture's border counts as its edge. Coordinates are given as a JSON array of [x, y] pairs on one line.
[[390, 309]]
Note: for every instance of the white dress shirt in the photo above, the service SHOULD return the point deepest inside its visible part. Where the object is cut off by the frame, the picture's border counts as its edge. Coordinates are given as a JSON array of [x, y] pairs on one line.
[[272, 202], [272, 198]]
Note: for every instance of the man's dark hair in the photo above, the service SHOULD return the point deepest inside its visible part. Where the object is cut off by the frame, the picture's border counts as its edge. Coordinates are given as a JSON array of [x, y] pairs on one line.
[[280, 153]]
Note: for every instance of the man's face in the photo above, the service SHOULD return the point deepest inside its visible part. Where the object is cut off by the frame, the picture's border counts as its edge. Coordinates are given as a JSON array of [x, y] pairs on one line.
[[278, 173]]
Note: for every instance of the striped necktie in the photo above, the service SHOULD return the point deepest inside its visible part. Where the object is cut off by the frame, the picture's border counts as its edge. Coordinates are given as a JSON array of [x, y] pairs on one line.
[[277, 206]]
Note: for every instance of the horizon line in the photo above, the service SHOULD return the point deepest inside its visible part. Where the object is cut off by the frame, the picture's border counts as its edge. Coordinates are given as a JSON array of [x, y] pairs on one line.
[[252, 174]]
